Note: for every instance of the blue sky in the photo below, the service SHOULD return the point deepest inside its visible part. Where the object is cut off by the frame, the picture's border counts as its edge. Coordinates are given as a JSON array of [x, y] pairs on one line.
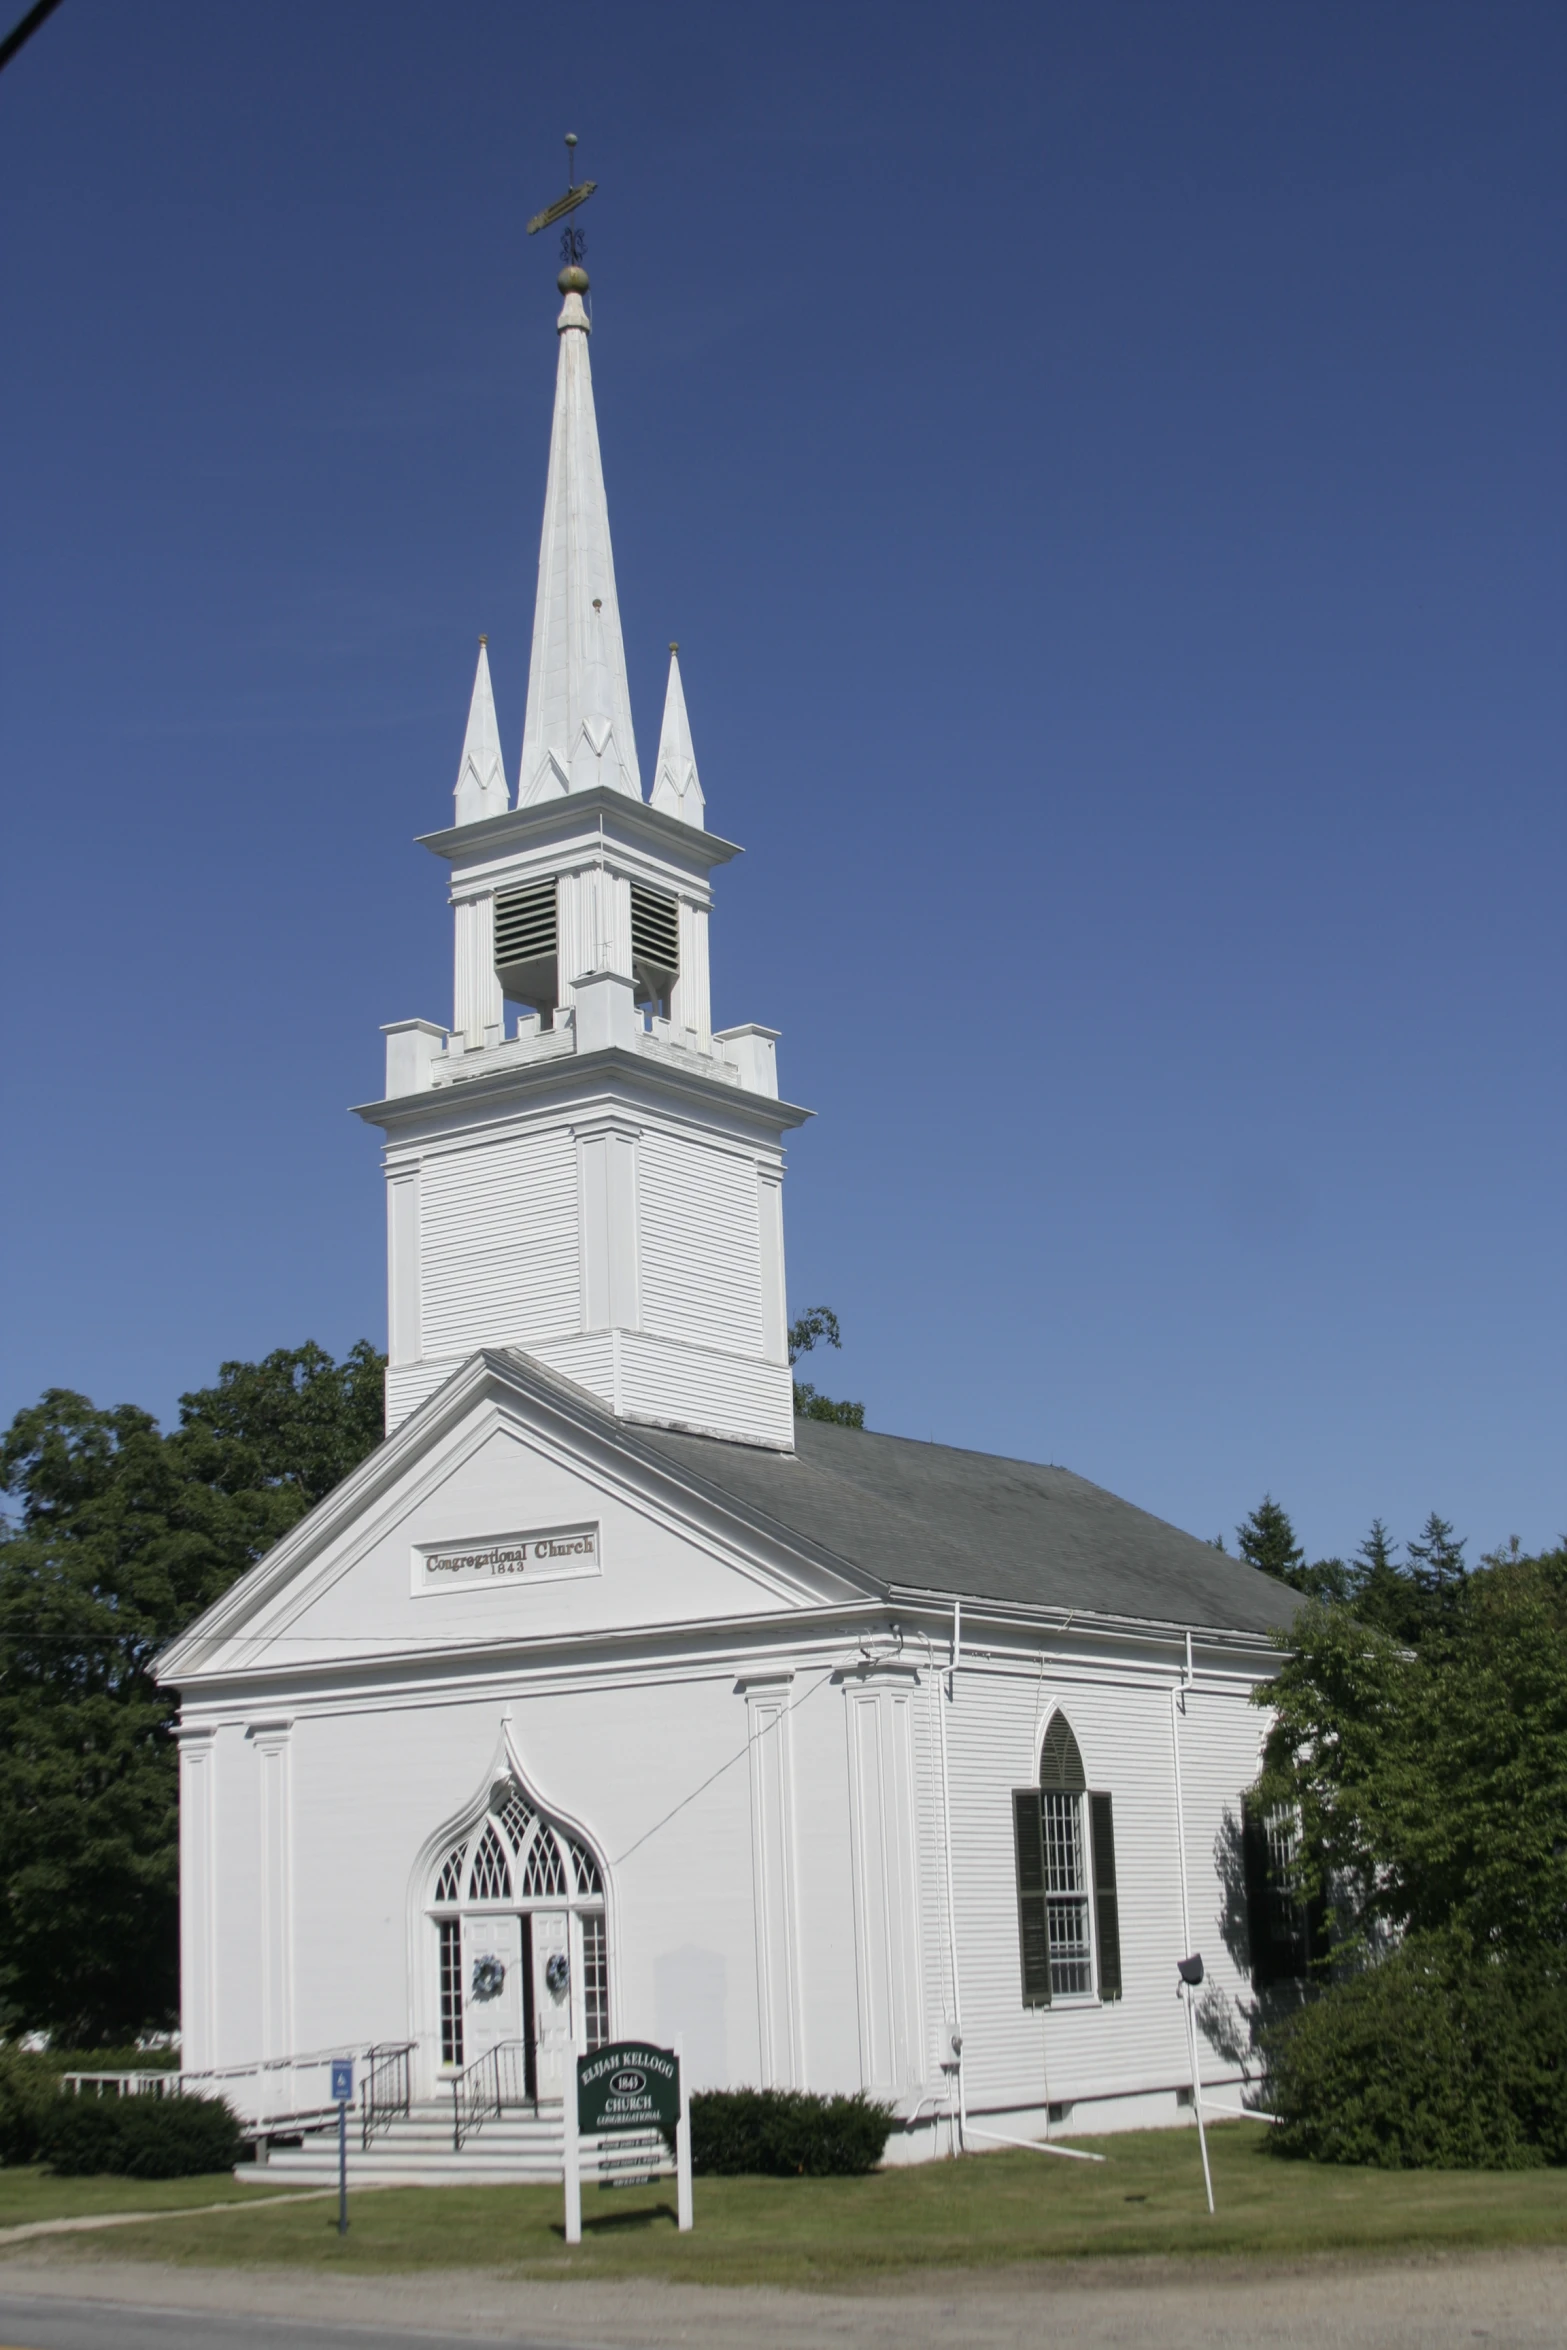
[[1103, 464]]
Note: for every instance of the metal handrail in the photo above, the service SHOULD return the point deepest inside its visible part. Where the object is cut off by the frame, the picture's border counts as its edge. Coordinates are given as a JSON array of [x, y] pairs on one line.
[[385, 2088], [483, 2090]]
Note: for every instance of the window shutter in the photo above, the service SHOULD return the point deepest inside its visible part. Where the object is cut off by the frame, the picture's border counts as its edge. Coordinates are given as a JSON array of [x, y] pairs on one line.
[[1259, 1908], [1283, 1932], [1033, 1930], [1107, 1907]]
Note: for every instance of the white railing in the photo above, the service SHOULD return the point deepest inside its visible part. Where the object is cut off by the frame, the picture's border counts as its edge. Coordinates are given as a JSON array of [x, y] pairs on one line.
[[275, 2093], [161, 2081]]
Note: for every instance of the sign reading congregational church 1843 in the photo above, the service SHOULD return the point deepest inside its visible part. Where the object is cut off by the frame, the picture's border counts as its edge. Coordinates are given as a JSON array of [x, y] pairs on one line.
[[541, 1557], [628, 2086]]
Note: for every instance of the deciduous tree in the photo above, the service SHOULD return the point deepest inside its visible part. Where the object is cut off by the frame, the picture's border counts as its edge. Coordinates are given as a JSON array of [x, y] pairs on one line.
[[818, 1325], [1431, 1784], [121, 1535]]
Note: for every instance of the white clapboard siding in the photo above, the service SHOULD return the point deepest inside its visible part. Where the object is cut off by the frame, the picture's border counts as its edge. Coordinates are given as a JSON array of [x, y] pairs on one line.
[[498, 1244], [698, 1246], [695, 1388], [590, 1361], [883, 1770], [1221, 1739], [408, 1385], [935, 1941], [1069, 2052]]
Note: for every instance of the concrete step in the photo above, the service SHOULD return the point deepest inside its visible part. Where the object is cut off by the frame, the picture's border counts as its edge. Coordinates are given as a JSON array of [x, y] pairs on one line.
[[416, 2150]]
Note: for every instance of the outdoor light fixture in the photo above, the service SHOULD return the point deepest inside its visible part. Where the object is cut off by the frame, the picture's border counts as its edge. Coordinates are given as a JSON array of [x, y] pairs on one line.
[[1190, 1970]]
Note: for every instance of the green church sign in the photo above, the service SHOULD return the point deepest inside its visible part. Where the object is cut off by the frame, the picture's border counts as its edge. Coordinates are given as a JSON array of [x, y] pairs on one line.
[[628, 2086]]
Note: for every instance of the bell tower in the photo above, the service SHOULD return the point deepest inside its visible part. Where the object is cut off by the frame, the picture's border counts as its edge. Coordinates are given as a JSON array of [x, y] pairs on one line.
[[580, 1165]]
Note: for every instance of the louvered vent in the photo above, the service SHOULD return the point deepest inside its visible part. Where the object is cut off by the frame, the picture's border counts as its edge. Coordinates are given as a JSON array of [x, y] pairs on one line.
[[655, 947], [525, 945]]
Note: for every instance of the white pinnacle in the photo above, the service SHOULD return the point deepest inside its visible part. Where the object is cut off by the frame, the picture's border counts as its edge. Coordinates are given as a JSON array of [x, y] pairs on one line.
[[675, 786], [481, 772], [577, 732]]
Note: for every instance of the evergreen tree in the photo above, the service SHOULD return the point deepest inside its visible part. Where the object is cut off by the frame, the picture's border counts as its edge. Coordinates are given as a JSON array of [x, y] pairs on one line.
[[1267, 1541], [1436, 1562], [1328, 1579], [1383, 1593]]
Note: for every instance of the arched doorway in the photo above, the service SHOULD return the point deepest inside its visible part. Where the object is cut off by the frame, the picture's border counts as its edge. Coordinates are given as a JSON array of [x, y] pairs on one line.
[[517, 1908]]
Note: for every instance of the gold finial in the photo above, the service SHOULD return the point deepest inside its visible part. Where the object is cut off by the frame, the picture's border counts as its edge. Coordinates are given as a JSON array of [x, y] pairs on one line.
[[484, 640], [674, 644]]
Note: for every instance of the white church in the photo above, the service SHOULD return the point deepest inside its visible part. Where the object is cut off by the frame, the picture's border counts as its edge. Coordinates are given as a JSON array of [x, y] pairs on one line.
[[607, 1698]]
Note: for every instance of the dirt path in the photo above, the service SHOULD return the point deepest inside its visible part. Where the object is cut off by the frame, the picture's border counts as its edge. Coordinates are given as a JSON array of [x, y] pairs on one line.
[[1511, 2301], [90, 2222]]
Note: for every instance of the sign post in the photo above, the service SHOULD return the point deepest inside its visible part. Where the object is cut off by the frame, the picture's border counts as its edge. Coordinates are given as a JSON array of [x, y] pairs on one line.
[[342, 2098], [630, 2089], [683, 2142], [1190, 1972], [569, 2119]]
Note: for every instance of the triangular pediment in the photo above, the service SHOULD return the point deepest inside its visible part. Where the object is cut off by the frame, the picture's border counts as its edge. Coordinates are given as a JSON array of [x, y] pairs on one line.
[[509, 1512]]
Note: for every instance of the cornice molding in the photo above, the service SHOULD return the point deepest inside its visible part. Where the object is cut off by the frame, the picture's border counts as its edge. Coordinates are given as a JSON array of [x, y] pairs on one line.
[[544, 820], [553, 1078]]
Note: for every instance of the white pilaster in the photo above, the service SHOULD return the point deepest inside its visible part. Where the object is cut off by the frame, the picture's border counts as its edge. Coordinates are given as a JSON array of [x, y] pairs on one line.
[[770, 1745], [402, 1269], [477, 1000], [272, 1741], [198, 1899]]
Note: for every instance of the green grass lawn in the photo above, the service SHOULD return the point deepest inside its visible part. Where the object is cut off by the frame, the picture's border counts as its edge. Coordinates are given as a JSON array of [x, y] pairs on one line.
[[30, 2193], [989, 2209]]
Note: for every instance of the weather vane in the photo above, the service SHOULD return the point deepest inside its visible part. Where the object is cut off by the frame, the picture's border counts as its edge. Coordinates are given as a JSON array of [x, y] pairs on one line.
[[573, 244]]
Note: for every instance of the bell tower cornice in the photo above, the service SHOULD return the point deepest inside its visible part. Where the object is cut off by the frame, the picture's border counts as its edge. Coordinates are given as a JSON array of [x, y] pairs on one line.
[[600, 809]]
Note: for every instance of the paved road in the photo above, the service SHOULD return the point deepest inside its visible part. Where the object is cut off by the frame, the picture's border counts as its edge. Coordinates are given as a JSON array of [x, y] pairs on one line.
[[1508, 2301], [48, 2322]]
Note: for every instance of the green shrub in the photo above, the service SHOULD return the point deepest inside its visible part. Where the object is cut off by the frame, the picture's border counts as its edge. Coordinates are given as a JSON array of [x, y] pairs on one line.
[[1434, 2058], [28, 2091], [140, 2137], [786, 2134]]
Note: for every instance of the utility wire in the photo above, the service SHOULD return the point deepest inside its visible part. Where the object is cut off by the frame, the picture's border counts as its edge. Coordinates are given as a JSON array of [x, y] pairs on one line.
[[21, 34]]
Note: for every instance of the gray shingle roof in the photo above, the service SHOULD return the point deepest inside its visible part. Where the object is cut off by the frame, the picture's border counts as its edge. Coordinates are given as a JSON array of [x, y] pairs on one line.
[[926, 1517]]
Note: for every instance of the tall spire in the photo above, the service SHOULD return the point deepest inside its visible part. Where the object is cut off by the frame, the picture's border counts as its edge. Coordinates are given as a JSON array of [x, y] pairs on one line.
[[675, 786], [578, 728], [481, 771]]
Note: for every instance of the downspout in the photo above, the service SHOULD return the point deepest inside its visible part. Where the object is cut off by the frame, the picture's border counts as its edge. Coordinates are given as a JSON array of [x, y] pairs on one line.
[[1177, 1694], [942, 1702]]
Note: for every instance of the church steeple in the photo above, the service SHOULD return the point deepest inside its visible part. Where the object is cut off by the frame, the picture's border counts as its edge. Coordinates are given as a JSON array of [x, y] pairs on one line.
[[481, 771], [577, 733], [581, 1165], [675, 786]]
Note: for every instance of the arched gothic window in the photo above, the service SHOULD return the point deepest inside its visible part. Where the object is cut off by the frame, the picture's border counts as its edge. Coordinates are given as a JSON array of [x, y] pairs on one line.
[[1068, 1913], [519, 1861]]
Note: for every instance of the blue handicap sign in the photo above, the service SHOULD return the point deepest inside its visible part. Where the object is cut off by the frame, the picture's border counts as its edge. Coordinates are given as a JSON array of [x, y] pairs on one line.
[[342, 2080]]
